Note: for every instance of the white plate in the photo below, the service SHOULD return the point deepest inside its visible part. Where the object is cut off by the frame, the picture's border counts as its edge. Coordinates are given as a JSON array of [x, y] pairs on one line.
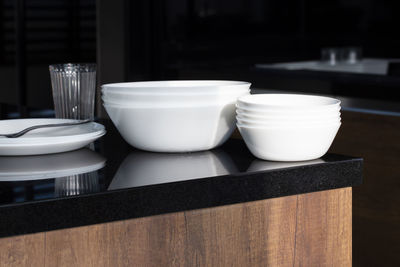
[[46, 135], [50, 166], [49, 147], [47, 140]]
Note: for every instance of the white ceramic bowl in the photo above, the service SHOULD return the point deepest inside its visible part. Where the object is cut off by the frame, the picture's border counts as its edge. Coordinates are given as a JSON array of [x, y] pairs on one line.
[[174, 129], [194, 86], [288, 112], [134, 94], [289, 123], [171, 99], [285, 117], [289, 143], [287, 102]]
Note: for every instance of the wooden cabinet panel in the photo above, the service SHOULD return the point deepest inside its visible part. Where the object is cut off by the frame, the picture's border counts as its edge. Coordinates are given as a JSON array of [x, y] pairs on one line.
[[304, 230], [25, 250]]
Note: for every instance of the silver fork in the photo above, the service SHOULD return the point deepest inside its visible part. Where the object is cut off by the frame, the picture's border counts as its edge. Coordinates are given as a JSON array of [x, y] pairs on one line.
[[24, 131]]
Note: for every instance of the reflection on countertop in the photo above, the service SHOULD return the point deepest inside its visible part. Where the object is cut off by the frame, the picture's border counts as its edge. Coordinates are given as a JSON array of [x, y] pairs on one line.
[[263, 165], [145, 168], [141, 168], [27, 178], [20, 168]]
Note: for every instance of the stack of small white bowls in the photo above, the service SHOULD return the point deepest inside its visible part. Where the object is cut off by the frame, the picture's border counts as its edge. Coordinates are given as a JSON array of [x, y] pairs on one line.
[[288, 127], [174, 116]]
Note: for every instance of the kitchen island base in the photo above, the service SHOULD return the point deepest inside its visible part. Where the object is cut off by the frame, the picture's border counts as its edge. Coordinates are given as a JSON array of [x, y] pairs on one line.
[[313, 229]]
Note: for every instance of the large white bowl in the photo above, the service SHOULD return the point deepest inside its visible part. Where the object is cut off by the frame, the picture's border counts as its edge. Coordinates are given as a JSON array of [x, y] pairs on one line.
[[289, 123], [174, 129], [294, 116], [289, 143], [133, 94], [287, 102], [194, 86], [171, 99]]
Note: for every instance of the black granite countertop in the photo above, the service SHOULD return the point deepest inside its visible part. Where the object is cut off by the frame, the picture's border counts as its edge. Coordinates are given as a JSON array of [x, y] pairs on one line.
[[113, 181]]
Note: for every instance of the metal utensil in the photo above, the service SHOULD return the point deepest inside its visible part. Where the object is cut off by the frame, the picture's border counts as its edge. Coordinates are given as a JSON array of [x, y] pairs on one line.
[[24, 131]]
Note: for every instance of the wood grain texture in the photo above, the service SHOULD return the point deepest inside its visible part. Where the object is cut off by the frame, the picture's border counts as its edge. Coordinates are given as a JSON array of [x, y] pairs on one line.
[[302, 230], [376, 212], [26, 250]]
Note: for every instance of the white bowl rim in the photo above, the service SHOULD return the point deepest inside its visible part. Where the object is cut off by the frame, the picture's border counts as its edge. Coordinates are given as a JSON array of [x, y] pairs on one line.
[[290, 110], [280, 122], [216, 93], [286, 127], [292, 113], [162, 106], [284, 117], [260, 100], [169, 103], [177, 83]]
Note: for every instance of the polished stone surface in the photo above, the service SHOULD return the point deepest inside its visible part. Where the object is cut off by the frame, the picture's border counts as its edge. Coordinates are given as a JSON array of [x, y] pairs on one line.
[[113, 181]]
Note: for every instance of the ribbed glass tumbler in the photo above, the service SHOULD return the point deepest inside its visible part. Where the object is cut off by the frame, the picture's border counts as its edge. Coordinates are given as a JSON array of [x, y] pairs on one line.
[[74, 88]]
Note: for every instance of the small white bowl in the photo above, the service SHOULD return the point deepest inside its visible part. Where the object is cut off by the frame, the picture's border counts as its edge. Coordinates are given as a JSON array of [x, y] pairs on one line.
[[171, 99], [289, 123], [194, 86], [174, 129], [288, 112], [287, 102], [289, 143], [295, 116]]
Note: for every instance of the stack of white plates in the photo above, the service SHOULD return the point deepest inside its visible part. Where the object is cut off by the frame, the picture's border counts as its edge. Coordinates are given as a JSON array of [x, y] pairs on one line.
[[174, 116], [47, 140], [288, 127]]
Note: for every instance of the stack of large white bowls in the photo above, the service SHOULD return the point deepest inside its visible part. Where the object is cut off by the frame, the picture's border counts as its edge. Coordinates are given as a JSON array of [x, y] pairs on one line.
[[174, 116], [288, 127]]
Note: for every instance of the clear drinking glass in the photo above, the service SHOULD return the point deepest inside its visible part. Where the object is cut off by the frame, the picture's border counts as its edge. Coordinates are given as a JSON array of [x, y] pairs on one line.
[[74, 87]]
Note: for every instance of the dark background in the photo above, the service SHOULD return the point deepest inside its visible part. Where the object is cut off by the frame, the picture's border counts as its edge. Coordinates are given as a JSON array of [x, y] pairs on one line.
[[186, 39]]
